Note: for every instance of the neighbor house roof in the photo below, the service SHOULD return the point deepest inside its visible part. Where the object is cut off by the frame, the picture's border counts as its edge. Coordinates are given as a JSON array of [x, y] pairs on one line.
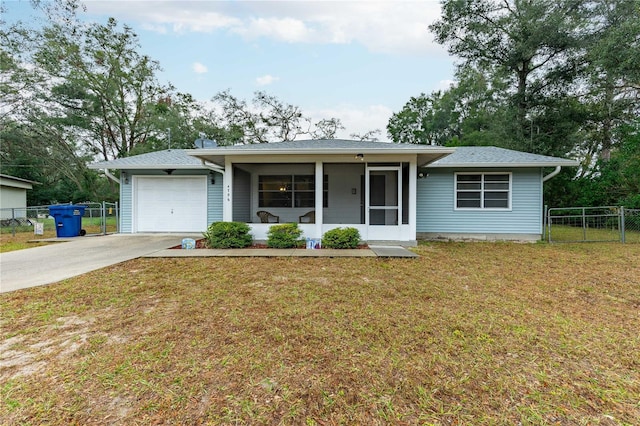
[[491, 156], [167, 159], [16, 182]]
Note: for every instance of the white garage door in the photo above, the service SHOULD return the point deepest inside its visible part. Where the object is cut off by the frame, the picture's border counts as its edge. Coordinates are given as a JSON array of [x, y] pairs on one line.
[[170, 204]]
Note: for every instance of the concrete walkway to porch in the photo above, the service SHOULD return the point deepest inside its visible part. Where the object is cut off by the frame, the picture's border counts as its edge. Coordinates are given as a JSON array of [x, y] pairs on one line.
[[371, 251]]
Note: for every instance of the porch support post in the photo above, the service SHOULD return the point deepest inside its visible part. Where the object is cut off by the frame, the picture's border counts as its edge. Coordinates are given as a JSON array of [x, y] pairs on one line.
[[319, 198], [227, 191], [413, 184]]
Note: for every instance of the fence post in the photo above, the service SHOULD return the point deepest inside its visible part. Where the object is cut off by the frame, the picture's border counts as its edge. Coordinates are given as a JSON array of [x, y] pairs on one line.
[[103, 219], [117, 218], [13, 222], [584, 225], [544, 220], [622, 230]]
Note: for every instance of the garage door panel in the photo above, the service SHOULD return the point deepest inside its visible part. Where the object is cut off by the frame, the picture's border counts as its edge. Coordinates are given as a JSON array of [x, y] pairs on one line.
[[171, 204]]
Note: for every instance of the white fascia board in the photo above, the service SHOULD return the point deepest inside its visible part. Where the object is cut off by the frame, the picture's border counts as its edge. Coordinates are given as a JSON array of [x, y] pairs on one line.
[[201, 153], [566, 163], [147, 166]]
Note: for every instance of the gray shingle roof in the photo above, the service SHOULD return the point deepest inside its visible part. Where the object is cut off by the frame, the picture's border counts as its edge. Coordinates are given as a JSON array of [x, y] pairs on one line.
[[491, 156], [464, 156], [170, 158]]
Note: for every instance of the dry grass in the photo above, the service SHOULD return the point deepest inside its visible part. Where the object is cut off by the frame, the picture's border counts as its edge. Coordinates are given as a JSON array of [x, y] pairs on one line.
[[467, 334], [23, 240], [24, 236]]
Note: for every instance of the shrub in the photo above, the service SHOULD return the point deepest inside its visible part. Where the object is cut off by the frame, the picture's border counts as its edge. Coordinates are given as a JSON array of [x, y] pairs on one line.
[[341, 238], [286, 235], [228, 235]]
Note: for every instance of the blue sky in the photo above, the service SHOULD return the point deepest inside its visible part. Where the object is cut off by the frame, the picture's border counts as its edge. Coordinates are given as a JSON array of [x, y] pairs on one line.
[[358, 61]]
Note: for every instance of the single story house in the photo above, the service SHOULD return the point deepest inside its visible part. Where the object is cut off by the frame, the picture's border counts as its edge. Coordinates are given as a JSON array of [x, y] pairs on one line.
[[13, 195], [390, 192]]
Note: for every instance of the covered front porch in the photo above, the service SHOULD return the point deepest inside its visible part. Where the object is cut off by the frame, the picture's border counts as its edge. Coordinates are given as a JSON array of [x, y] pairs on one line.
[[372, 191]]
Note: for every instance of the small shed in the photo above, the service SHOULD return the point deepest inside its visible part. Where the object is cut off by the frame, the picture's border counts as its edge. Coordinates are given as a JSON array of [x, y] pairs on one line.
[[13, 194]]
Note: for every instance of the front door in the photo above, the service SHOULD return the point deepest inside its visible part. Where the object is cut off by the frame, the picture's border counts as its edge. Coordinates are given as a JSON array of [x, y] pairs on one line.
[[384, 202]]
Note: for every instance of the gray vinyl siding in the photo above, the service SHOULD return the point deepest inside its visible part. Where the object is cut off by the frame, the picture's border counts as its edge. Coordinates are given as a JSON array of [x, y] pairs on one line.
[[436, 198], [214, 199], [126, 205], [214, 195]]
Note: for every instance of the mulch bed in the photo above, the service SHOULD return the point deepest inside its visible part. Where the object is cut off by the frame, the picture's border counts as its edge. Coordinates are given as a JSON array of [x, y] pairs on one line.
[[200, 244]]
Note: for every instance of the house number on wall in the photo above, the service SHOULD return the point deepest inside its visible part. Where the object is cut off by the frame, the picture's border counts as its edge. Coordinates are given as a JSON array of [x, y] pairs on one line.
[[228, 193]]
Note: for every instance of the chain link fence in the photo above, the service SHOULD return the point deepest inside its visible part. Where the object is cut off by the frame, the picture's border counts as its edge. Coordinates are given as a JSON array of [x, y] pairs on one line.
[[99, 218], [593, 224]]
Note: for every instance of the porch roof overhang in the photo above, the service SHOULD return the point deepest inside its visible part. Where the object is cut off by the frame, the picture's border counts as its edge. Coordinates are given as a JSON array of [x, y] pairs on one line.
[[326, 150]]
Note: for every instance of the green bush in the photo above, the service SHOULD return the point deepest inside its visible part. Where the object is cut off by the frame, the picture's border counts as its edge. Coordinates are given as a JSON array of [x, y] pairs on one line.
[[286, 235], [341, 238], [228, 235]]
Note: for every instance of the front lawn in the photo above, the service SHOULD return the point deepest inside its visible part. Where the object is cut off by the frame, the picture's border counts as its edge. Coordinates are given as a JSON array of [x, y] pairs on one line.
[[476, 333]]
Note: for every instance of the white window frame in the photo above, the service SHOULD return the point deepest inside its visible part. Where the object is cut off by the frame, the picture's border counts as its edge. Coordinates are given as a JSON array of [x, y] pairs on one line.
[[292, 191], [482, 191]]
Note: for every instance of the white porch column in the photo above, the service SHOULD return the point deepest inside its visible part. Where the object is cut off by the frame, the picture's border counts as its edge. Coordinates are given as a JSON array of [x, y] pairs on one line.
[[319, 199], [413, 184], [227, 192]]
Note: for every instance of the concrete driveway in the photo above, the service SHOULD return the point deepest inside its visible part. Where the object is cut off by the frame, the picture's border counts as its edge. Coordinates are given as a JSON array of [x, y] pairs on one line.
[[52, 263]]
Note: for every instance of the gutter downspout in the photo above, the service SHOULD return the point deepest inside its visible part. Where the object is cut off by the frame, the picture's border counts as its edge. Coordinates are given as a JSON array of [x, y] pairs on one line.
[[552, 174], [108, 174]]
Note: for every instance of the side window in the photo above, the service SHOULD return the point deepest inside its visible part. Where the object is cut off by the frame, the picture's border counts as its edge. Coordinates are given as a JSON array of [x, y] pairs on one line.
[[483, 190]]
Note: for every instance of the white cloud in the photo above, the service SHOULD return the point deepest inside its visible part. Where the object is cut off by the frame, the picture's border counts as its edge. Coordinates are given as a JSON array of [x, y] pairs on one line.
[[266, 80], [198, 68], [281, 29], [380, 26]]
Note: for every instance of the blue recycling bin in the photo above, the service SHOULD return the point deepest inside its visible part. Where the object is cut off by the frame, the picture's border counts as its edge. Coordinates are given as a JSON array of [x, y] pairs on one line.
[[68, 219]]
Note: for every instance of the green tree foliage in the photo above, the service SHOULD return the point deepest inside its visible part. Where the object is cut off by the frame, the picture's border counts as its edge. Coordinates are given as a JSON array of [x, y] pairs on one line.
[[555, 77], [107, 88], [529, 44], [267, 119]]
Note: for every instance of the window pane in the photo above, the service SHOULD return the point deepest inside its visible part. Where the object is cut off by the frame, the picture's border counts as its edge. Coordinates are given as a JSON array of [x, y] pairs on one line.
[[501, 195], [468, 204], [304, 183], [305, 199], [468, 200], [496, 204], [468, 195], [496, 178], [274, 199], [496, 199], [472, 186], [496, 186], [469, 178], [274, 183]]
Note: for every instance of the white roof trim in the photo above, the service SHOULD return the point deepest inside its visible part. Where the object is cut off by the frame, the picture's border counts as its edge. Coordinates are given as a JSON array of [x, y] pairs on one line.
[[505, 165]]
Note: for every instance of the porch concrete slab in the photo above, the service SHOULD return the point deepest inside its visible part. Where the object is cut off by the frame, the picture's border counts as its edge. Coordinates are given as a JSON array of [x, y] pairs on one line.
[[334, 253], [392, 251]]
